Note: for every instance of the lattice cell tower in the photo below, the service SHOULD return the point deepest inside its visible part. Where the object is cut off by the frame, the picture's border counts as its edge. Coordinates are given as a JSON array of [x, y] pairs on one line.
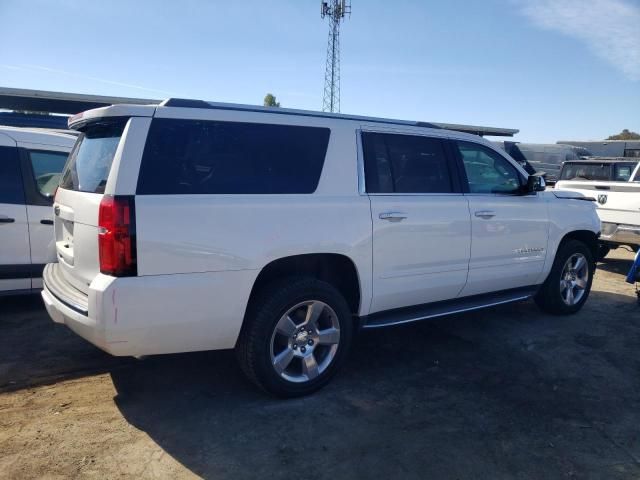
[[335, 10]]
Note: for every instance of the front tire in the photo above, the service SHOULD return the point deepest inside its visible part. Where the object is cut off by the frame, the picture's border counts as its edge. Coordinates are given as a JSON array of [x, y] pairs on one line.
[[567, 287], [296, 336]]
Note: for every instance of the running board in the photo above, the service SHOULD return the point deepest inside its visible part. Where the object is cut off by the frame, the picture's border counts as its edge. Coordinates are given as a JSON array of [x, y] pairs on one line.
[[448, 307]]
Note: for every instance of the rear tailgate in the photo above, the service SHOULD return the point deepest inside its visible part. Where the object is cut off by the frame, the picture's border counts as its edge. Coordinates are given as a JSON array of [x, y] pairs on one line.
[[78, 200]]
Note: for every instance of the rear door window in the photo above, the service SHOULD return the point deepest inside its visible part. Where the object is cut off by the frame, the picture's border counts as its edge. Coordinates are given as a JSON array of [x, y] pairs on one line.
[[90, 161], [396, 163], [212, 157]]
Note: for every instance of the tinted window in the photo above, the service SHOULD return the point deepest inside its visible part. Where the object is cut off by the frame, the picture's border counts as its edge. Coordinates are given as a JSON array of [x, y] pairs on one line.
[[91, 158], [622, 171], [198, 157], [11, 189], [405, 164], [487, 171], [586, 171], [47, 168]]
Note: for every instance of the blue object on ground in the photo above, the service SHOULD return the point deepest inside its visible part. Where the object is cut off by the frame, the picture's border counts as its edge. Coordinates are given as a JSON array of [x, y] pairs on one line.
[[634, 274]]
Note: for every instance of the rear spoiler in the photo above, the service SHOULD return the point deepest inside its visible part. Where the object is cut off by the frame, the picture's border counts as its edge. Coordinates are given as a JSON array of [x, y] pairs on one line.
[[79, 120]]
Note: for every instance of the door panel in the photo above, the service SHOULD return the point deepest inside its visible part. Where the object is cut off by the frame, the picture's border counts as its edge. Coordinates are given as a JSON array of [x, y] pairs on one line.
[[14, 231], [41, 173], [509, 248], [421, 226], [509, 230], [42, 239], [14, 253], [422, 258]]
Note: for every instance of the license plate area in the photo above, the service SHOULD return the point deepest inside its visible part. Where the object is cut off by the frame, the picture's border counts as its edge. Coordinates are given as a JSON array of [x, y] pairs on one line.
[[64, 241]]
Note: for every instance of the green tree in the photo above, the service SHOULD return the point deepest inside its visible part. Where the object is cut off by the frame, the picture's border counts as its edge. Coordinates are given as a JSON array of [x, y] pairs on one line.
[[624, 135], [270, 100]]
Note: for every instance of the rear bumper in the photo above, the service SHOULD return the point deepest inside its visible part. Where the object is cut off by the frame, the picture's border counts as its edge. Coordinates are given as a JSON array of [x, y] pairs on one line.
[[69, 306], [620, 234], [155, 314]]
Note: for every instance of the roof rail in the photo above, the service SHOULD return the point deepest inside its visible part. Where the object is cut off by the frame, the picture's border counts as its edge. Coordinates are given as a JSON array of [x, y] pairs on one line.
[[188, 103]]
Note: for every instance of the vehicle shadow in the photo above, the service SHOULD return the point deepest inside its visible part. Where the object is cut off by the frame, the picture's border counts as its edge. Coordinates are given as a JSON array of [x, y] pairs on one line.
[[620, 266], [499, 393], [35, 351]]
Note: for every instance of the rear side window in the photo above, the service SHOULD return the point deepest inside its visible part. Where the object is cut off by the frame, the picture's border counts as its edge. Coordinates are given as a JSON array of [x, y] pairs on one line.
[[210, 157], [47, 168], [11, 187], [405, 164], [90, 161]]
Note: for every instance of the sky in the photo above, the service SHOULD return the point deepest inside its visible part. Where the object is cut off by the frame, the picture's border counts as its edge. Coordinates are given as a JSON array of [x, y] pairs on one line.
[[555, 69]]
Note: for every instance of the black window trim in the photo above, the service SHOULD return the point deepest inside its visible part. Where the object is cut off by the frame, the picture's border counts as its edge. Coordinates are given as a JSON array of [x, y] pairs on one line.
[[32, 195], [463, 173], [456, 181]]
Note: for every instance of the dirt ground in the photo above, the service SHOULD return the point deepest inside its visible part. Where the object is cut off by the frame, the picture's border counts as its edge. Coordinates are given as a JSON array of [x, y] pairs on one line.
[[503, 393]]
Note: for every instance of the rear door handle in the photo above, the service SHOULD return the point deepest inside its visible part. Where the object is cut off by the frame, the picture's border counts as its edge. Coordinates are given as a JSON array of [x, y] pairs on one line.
[[46, 221], [5, 219], [486, 214], [392, 216]]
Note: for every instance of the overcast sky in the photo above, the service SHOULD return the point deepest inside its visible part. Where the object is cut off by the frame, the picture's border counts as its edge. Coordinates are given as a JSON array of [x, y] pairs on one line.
[[555, 69]]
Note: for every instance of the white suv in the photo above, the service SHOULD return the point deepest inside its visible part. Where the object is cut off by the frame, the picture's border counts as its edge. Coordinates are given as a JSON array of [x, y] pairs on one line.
[[30, 165], [195, 226]]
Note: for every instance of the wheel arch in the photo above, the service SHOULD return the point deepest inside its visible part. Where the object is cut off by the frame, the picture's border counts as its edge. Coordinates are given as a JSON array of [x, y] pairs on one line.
[[337, 269], [589, 238]]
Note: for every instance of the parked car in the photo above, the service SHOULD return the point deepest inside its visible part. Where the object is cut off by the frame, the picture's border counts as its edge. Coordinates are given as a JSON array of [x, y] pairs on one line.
[[192, 226], [615, 184], [30, 165], [601, 169], [545, 159]]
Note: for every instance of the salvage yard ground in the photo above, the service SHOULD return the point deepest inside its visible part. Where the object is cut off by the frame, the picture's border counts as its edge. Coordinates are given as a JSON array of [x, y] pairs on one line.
[[503, 393]]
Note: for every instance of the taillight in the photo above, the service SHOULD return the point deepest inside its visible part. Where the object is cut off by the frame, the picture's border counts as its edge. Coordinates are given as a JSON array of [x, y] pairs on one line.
[[117, 236]]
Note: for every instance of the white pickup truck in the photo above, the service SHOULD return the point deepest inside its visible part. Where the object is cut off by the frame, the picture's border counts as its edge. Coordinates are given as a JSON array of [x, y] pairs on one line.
[[615, 185]]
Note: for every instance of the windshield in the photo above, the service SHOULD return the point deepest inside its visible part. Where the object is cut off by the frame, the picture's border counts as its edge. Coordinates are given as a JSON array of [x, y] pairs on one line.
[[90, 161]]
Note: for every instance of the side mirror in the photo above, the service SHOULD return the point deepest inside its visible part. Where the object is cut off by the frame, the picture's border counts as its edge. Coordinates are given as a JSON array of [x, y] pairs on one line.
[[535, 183]]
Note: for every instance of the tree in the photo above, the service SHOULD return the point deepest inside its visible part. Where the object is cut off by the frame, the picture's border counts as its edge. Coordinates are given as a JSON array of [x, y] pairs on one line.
[[270, 100], [624, 135]]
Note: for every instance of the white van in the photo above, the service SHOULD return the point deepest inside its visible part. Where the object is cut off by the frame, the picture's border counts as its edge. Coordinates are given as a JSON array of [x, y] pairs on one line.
[[31, 161], [195, 226]]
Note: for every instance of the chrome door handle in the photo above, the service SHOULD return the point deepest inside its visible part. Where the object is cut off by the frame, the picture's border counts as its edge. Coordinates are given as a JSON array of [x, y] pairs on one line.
[[392, 216], [486, 214]]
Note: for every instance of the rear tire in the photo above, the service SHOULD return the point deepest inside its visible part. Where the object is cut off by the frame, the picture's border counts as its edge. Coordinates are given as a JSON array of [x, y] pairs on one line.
[[567, 287], [296, 336]]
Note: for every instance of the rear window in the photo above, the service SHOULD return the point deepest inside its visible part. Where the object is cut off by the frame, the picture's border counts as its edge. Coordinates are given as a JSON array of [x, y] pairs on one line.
[[210, 157], [90, 161], [616, 172]]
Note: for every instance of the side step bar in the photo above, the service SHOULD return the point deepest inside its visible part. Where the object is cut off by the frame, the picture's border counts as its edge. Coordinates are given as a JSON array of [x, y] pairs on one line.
[[448, 307]]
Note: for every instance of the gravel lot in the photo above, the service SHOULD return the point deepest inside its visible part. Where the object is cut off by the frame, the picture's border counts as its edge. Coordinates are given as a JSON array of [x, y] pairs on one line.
[[503, 393]]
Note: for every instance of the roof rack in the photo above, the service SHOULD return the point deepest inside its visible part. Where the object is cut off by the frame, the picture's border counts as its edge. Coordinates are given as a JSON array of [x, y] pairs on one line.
[[188, 103]]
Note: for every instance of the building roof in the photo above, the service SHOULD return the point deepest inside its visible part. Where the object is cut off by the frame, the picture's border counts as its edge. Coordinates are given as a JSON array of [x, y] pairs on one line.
[[72, 103]]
